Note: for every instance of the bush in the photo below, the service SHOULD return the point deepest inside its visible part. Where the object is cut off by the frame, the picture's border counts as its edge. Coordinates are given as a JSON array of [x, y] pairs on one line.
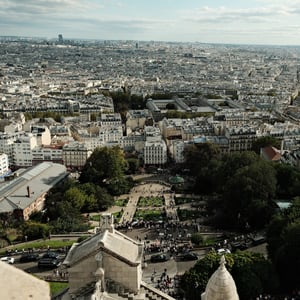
[[197, 239]]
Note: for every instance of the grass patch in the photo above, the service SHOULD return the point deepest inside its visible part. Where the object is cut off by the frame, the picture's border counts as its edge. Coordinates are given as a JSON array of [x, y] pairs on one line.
[[121, 202], [42, 245], [117, 216], [149, 214], [95, 218], [151, 201], [57, 287]]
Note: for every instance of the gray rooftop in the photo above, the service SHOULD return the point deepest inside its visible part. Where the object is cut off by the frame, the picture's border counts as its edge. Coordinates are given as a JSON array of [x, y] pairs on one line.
[[38, 179], [114, 242]]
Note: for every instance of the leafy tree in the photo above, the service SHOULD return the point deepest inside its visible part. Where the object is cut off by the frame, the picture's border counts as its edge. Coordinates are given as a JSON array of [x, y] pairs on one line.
[[283, 237], [197, 238], [97, 198], [170, 106], [76, 197], [133, 165], [265, 141], [232, 162], [253, 274], [68, 219], [287, 257], [248, 196], [104, 166], [35, 230], [288, 180], [199, 155]]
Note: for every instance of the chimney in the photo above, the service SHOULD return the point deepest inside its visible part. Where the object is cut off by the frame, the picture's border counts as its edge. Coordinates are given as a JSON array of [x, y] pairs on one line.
[[28, 191]]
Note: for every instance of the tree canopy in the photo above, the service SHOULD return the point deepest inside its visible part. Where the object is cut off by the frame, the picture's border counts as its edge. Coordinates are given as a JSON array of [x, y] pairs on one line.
[[253, 274], [283, 237]]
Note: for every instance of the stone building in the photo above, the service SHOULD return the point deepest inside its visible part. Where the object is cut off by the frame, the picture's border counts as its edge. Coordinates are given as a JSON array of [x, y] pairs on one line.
[[106, 266]]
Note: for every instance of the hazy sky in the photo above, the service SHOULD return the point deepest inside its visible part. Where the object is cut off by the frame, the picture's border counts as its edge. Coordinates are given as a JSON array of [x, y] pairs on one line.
[[210, 21]]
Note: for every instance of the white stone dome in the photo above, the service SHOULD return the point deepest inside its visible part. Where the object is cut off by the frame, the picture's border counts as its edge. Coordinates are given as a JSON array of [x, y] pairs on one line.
[[221, 285]]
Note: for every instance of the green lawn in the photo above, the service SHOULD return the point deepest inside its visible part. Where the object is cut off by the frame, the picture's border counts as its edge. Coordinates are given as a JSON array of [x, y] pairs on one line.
[[53, 244], [121, 202], [149, 214], [151, 201], [56, 287], [95, 218], [117, 216]]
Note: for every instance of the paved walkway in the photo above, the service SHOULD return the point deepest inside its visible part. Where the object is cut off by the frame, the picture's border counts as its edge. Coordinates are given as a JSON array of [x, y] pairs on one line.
[[147, 190]]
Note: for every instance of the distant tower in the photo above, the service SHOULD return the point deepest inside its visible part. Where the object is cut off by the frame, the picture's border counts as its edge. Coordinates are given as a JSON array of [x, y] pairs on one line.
[[60, 38], [137, 46]]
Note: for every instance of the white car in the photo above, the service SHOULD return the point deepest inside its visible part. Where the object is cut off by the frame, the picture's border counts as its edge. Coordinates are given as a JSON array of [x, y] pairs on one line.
[[223, 251], [9, 260]]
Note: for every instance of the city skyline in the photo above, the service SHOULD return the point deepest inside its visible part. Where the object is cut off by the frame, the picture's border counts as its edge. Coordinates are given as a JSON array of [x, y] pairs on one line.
[[258, 22]]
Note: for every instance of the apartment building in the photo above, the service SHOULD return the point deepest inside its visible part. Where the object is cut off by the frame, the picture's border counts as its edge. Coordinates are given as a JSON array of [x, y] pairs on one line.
[[110, 133], [176, 150], [136, 119], [75, 155], [155, 152], [42, 134], [52, 153], [7, 144], [22, 150], [4, 166], [241, 138], [110, 119]]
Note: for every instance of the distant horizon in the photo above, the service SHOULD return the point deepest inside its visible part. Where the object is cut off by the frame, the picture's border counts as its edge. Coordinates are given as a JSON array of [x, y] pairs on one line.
[[53, 39], [257, 22]]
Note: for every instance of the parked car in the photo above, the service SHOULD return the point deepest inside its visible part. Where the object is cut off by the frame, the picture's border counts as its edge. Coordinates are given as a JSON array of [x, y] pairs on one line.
[[188, 256], [7, 259], [159, 257], [223, 251], [48, 263], [51, 254], [29, 257], [258, 239]]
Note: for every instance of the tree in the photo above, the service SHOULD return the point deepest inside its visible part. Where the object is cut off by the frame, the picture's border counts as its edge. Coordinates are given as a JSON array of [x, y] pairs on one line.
[[253, 274], [265, 141], [97, 198], [287, 257], [104, 166], [76, 197], [170, 106], [35, 230], [283, 237], [288, 180], [199, 155], [232, 162], [248, 196]]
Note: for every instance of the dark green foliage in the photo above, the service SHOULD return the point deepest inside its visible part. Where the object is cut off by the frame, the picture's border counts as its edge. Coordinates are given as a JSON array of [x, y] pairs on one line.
[[264, 142], [253, 274], [170, 106], [133, 165], [35, 230], [203, 161], [283, 237], [104, 166], [248, 195], [197, 239], [288, 181]]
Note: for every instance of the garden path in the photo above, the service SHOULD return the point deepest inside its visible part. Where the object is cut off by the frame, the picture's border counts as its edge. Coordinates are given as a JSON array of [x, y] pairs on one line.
[[146, 190]]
